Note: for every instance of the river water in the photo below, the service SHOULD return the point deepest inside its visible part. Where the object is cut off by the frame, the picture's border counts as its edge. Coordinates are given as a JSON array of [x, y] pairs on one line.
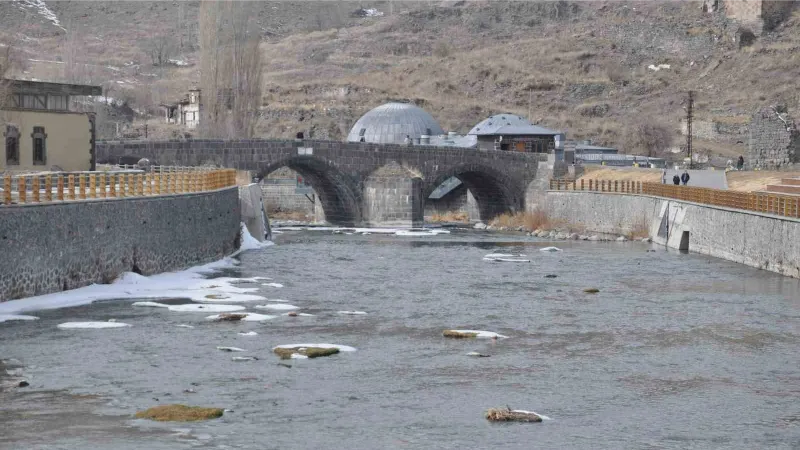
[[676, 351]]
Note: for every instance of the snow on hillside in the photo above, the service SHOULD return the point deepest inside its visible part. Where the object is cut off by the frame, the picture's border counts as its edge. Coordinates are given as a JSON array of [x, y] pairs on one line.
[[41, 8]]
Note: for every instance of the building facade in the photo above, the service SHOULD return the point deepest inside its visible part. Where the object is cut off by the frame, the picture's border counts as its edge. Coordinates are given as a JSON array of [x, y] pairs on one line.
[[185, 112], [41, 132]]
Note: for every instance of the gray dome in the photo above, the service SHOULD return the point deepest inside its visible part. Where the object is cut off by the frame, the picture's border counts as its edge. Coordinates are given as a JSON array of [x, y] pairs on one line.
[[392, 122]]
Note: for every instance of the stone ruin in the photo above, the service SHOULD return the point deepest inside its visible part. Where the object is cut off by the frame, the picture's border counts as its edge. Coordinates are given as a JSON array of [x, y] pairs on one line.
[[774, 139], [753, 16]]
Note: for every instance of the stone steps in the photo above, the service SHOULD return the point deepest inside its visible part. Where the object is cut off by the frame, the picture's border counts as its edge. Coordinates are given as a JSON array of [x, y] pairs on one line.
[[791, 181]]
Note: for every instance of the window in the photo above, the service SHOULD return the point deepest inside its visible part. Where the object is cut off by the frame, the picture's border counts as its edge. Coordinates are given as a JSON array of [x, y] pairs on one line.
[[39, 146], [361, 133], [12, 145], [57, 102], [28, 101]]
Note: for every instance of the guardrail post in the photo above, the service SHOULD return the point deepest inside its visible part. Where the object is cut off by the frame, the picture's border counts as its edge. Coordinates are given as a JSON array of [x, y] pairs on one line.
[[60, 188], [112, 185], [48, 188], [22, 189], [581, 183], [82, 186], [71, 187], [92, 186], [35, 188], [101, 182], [7, 189]]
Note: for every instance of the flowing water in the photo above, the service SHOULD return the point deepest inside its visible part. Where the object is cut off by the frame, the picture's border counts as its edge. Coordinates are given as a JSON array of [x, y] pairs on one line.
[[675, 351]]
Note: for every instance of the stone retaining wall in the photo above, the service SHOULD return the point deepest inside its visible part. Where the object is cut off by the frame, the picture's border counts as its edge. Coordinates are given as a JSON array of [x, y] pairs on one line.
[[758, 240], [51, 247]]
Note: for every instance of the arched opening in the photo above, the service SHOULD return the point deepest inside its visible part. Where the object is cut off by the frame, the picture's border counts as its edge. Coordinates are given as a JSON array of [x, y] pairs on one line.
[[493, 192], [331, 188]]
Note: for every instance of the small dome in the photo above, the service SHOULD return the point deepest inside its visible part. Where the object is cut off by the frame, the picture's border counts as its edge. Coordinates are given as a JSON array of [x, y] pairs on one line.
[[392, 122]]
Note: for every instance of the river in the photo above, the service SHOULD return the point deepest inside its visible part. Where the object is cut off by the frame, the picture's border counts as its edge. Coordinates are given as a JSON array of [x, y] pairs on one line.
[[676, 351]]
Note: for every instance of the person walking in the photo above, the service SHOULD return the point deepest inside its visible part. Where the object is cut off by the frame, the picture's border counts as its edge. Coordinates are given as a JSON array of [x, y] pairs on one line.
[[740, 163], [676, 179], [664, 176], [685, 177]]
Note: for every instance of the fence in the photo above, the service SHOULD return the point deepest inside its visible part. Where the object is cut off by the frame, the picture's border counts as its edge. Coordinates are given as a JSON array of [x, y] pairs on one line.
[[778, 204], [59, 187]]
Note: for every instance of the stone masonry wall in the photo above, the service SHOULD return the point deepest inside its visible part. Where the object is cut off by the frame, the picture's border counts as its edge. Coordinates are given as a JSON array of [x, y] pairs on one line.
[[52, 247], [754, 239], [774, 140]]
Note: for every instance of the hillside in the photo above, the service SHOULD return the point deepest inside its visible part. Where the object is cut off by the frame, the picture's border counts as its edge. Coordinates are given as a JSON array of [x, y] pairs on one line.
[[580, 67]]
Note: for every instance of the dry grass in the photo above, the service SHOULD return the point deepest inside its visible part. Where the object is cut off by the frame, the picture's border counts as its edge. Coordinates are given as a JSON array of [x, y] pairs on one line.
[[179, 413], [591, 290], [756, 180], [640, 228], [450, 216], [311, 352], [537, 219], [458, 335], [509, 415], [621, 174]]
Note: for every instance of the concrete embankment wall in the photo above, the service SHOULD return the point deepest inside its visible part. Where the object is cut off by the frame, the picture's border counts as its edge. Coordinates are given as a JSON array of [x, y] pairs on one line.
[[50, 247], [758, 240]]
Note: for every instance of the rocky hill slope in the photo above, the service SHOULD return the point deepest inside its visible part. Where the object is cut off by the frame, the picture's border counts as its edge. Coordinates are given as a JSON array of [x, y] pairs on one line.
[[592, 69]]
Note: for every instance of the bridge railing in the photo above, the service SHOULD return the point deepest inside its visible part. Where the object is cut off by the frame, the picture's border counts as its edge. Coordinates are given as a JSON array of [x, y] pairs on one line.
[[764, 202], [65, 187]]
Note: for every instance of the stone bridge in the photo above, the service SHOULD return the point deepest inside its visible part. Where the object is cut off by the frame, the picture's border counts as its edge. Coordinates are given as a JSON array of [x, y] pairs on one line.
[[357, 183]]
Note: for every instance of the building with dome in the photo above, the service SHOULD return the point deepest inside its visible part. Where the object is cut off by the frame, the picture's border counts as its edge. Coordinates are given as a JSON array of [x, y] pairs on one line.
[[392, 123], [514, 133]]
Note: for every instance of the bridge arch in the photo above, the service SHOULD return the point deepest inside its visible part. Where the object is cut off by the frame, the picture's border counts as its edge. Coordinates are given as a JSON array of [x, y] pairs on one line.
[[494, 192], [339, 196]]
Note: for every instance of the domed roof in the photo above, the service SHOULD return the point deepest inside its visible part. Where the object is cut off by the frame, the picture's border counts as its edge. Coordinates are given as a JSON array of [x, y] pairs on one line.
[[508, 124], [392, 122]]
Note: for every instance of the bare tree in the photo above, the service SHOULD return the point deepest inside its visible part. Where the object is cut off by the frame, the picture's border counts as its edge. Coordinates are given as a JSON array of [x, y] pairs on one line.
[[648, 139], [159, 49], [10, 62], [230, 65]]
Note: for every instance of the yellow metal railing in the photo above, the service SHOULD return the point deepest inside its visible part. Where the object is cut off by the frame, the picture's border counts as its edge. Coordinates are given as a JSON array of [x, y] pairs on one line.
[[59, 187], [765, 202]]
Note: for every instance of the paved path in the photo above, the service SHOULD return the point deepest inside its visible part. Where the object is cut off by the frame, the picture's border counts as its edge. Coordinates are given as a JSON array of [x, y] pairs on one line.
[[715, 179]]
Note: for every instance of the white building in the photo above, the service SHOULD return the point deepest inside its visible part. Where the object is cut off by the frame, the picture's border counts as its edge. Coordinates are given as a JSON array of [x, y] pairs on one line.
[[185, 112]]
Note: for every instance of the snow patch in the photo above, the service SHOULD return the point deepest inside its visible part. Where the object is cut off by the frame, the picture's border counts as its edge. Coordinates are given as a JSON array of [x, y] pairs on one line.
[[249, 333], [231, 349], [482, 334], [522, 411], [279, 307], [251, 243], [275, 285], [550, 249], [150, 304], [656, 68], [91, 325], [184, 326], [9, 317], [41, 7]]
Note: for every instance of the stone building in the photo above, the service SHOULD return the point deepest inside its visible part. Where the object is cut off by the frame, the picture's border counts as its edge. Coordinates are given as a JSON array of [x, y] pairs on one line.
[[514, 133], [41, 131], [185, 112], [774, 139], [756, 15]]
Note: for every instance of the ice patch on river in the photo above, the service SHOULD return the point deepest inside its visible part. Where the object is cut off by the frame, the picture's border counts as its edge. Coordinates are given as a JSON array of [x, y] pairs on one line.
[[90, 325], [278, 307], [205, 308], [482, 334], [189, 284], [522, 411], [10, 317], [550, 249]]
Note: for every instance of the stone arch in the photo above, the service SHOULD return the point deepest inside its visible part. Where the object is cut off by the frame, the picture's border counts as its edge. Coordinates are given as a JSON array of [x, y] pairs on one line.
[[340, 198], [494, 192]]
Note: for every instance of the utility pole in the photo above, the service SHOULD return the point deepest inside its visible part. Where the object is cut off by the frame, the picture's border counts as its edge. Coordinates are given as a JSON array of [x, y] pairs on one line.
[[530, 102], [689, 128]]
